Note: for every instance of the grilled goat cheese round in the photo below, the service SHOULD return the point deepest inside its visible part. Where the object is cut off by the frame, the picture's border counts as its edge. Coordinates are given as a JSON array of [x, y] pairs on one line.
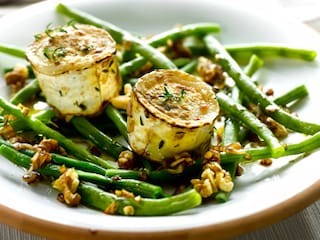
[[76, 67], [170, 112]]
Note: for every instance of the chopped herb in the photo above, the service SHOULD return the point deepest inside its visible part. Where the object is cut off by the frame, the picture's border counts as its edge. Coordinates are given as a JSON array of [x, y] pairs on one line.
[[161, 143], [86, 48], [49, 30], [54, 54], [47, 52], [61, 29], [59, 52], [110, 63], [72, 23], [82, 106], [141, 121], [167, 95], [37, 36]]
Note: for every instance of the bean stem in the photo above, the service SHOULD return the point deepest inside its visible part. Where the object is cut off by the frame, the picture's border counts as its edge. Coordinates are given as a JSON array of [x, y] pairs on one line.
[[294, 94], [12, 50]]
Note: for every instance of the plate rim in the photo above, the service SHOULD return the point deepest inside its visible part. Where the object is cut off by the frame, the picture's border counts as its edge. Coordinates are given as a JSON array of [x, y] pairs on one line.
[[245, 224], [240, 225]]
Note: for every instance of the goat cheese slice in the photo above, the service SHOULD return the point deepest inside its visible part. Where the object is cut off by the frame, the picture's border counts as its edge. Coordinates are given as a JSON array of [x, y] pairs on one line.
[[76, 67], [170, 112]]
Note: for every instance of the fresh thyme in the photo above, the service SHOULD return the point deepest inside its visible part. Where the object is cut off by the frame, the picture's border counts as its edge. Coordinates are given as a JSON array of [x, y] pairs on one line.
[[167, 95], [49, 30], [72, 23], [53, 54]]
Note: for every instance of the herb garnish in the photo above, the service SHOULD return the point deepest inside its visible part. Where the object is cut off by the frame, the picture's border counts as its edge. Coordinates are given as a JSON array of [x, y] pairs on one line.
[[167, 95], [55, 53], [72, 23], [49, 30]]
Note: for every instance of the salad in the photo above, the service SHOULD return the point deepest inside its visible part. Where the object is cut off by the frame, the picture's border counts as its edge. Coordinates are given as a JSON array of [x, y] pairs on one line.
[[186, 109]]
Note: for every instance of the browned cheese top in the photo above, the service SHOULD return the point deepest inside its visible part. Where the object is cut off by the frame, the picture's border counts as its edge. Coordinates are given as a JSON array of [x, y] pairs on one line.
[[72, 47], [176, 96]]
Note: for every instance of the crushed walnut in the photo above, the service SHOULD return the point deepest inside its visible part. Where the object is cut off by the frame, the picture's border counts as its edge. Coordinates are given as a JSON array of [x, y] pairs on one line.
[[16, 79], [126, 160], [7, 131], [180, 161], [266, 162], [121, 101], [213, 179], [67, 184], [42, 151], [211, 73]]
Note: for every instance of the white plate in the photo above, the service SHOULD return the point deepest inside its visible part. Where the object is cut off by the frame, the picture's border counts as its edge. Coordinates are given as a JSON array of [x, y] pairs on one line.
[[262, 195]]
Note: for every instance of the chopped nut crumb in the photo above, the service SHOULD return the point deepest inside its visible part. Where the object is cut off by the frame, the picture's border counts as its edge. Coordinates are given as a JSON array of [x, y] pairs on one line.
[[67, 184], [111, 209], [128, 210], [126, 159], [124, 193], [213, 179], [266, 162], [17, 78], [211, 73]]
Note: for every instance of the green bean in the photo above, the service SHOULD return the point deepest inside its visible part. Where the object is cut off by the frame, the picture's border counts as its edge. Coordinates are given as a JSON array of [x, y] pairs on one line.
[[230, 135], [31, 88], [190, 67], [25, 93], [245, 84], [294, 94], [137, 45], [118, 120], [81, 165], [40, 128], [232, 127], [242, 52], [12, 50], [310, 144], [101, 200], [236, 110], [103, 141], [255, 63], [197, 29], [182, 61], [131, 81], [46, 116], [131, 66], [137, 187], [97, 198]]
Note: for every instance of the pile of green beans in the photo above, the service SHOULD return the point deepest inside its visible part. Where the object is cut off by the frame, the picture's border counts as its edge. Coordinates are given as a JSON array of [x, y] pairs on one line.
[[100, 177]]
